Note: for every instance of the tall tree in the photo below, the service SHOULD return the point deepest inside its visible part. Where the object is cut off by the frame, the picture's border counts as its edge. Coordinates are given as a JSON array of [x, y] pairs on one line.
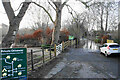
[[77, 29], [119, 22], [14, 21], [57, 23], [105, 13], [101, 18]]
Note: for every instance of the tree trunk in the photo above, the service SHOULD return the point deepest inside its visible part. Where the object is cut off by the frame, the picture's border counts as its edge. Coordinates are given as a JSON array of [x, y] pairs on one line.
[[106, 21], [119, 32], [57, 24], [119, 21], [14, 22], [10, 37], [102, 29]]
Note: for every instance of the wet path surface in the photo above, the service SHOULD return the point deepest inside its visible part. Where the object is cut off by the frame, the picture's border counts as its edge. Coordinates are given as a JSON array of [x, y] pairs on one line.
[[85, 63]]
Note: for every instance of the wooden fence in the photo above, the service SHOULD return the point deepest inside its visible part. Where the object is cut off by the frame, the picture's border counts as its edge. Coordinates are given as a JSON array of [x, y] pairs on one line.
[[39, 57]]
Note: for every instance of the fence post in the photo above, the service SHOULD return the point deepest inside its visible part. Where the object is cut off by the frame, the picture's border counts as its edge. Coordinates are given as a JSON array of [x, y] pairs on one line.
[[74, 43], [67, 43], [70, 43], [77, 43], [43, 54], [63, 46], [50, 52], [32, 64], [55, 49]]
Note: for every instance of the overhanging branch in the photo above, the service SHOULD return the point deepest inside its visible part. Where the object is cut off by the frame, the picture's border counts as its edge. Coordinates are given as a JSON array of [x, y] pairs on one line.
[[64, 3], [71, 13], [18, 7], [8, 10], [44, 10], [52, 6], [23, 10], [85, 3], [71, 8]]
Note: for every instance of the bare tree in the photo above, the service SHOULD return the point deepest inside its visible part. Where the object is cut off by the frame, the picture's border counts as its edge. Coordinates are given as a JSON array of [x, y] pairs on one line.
[[39, 17], [77, 29], [15, 20], [105, 13], [119, 22], [58, 6]]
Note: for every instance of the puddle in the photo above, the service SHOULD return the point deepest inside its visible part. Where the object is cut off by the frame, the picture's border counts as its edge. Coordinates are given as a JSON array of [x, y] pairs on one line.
[[91, 45]]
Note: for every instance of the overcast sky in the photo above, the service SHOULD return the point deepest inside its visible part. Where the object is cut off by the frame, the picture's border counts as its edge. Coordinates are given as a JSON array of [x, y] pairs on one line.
[[77, 6]]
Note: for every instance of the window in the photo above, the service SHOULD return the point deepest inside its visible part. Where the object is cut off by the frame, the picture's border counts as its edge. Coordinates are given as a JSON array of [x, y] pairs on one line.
[[114, 46], [105, 46]]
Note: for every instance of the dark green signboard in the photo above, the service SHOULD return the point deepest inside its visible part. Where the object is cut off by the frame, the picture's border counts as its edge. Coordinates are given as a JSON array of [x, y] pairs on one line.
[[14, 63]]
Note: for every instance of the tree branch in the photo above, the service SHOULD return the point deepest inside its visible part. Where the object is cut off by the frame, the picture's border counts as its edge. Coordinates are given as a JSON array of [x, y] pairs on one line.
[[52, 6], [54, 3], [23, 10], [8, 10], [18, 7], [64, 3], [71, 8], [44, 10], [71, 13], [85, 3]]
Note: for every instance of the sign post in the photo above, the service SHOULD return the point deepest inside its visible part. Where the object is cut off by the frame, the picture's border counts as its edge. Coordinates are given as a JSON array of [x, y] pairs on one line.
[[14, 63], [71, 37]]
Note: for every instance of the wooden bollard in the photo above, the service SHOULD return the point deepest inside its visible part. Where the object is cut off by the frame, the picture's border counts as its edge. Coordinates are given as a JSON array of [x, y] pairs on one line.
[[55, 49], [63, 46], [32, 63], [43, 54], [50, 53]]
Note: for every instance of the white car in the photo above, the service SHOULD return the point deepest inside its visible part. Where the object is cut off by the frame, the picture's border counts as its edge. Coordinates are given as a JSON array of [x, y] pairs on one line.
[[110, 48]]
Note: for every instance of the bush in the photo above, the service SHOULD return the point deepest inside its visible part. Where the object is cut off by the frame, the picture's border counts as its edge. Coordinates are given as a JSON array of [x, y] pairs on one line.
[[48, 34], [37, 34], [45, 46], [105, 37], [97, 41], [64, 34], [116, 40], [48, 47]]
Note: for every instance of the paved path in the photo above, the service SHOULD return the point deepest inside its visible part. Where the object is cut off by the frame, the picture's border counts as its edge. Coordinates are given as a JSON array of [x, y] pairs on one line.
[[83, 63]]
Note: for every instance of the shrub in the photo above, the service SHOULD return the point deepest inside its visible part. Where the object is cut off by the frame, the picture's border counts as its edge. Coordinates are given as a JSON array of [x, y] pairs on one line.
[[105, 37], [64, 35], [38, 34], [30, 39], [48, 33], [116, 40], [97, 40]]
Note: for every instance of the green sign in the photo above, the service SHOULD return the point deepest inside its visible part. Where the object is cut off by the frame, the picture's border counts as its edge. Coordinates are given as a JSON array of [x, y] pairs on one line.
[[71, 37], [14, 64]]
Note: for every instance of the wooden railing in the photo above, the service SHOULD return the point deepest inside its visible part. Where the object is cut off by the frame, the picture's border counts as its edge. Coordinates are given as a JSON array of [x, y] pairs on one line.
[[39, 57]]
